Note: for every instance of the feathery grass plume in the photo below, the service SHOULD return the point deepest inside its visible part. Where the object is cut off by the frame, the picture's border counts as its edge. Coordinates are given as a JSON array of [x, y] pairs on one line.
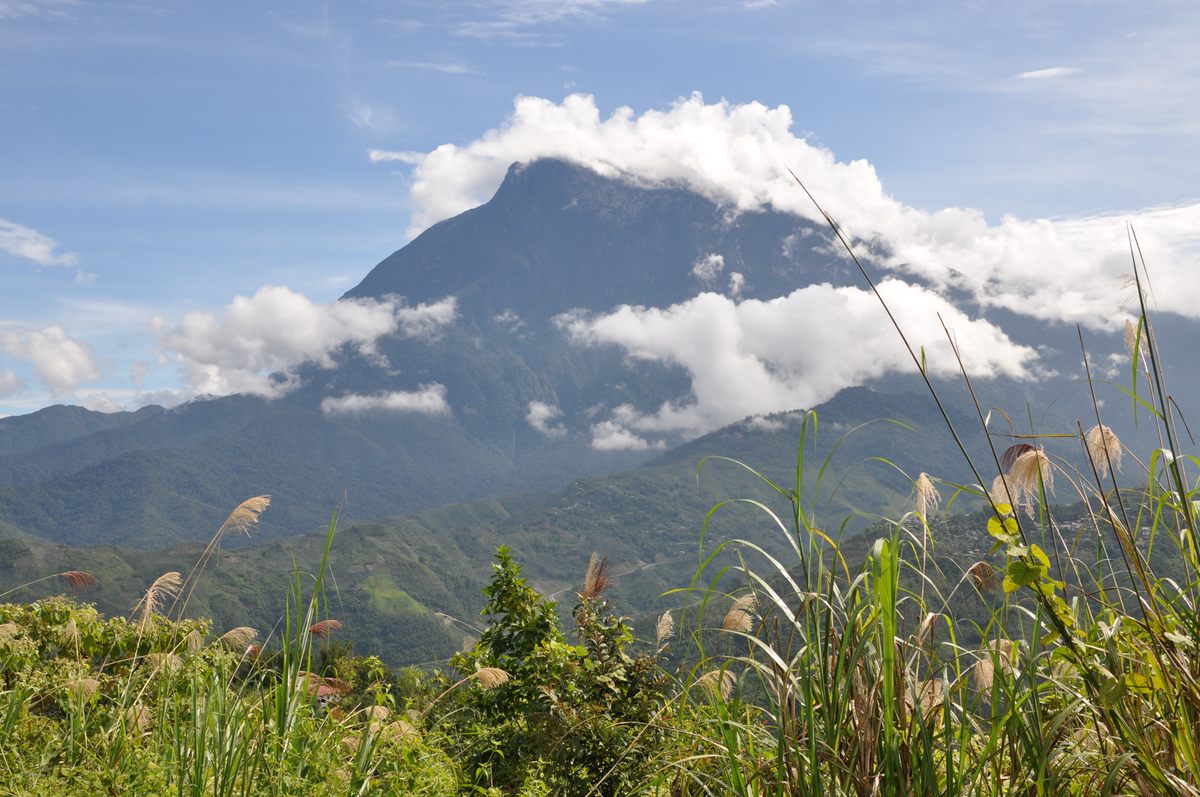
[[322, 629], [1103, 447], [1134, 341], [746, 603], [167, 663], [598, 577], [983, 576], [8, 631], [253, 652], [925, 495], [80, 688], [194, 641], [491, 677], [737, 620], [1012, 454], [376, 713], [718, 683], [238, 638], [1000, 493], [929, 695], [1006, 654], [664, 628], [68, 635], [351, 742], [137, 718], [79, 580], [245, 516], [165, 586], [469, 642], [1025, 473], [983, 674]]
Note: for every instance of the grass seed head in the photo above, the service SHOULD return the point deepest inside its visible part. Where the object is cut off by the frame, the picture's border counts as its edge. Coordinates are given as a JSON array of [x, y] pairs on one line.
[[322, 629], [1103, 447], [79, 580], [1030, 471], [491, 677], [664, 628], [598, 577], [165, 586], [245, 517], [238, 638], [925, 496], [718, 682], [983, 576]]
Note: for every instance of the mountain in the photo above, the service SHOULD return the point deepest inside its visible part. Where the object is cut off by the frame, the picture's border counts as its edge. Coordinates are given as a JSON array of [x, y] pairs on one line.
[[393, 574], [555, 239]]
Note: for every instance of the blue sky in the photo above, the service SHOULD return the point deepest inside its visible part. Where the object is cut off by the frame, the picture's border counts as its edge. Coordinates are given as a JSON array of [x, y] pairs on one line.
[[162, 158]]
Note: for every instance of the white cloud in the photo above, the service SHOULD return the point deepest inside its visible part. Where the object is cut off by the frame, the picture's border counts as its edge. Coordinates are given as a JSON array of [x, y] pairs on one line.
[[389, 156], [612, 436], [516, 21], [61, 362], [1063, 270], [427, 321], [756, 357], [10, 383], [21, 241], [426, 400], [510, 319], [277, 329], [544, 418], [1047, 74], [434, 66], [737, 281], [707, 268]]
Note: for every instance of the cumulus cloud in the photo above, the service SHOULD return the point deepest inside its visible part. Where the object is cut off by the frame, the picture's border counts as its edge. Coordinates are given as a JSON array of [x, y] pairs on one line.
[[426, 400], [612, 436], [61, 362], [427, 321], [1060, 270], [258, 342], [737, 281], [544, 418], [708, 268], [755, 357], [21, 241]]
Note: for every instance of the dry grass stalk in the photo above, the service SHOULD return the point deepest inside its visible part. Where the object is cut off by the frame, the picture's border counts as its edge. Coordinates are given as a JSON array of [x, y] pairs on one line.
[[491, 677], [80, 580], [925, 629], [245, 517], [324, 628], [925, 496], [1028, 471], [598, 577], [238, 638], [664, 629], [718, 682], [165, 586], [1103, 447], [983, 576]]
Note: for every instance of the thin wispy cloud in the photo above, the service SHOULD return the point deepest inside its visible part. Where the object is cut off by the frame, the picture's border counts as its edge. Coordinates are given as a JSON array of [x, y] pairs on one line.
[[395, 156], [518, 21], [446, 68], [1048, 74], [28, 243]]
